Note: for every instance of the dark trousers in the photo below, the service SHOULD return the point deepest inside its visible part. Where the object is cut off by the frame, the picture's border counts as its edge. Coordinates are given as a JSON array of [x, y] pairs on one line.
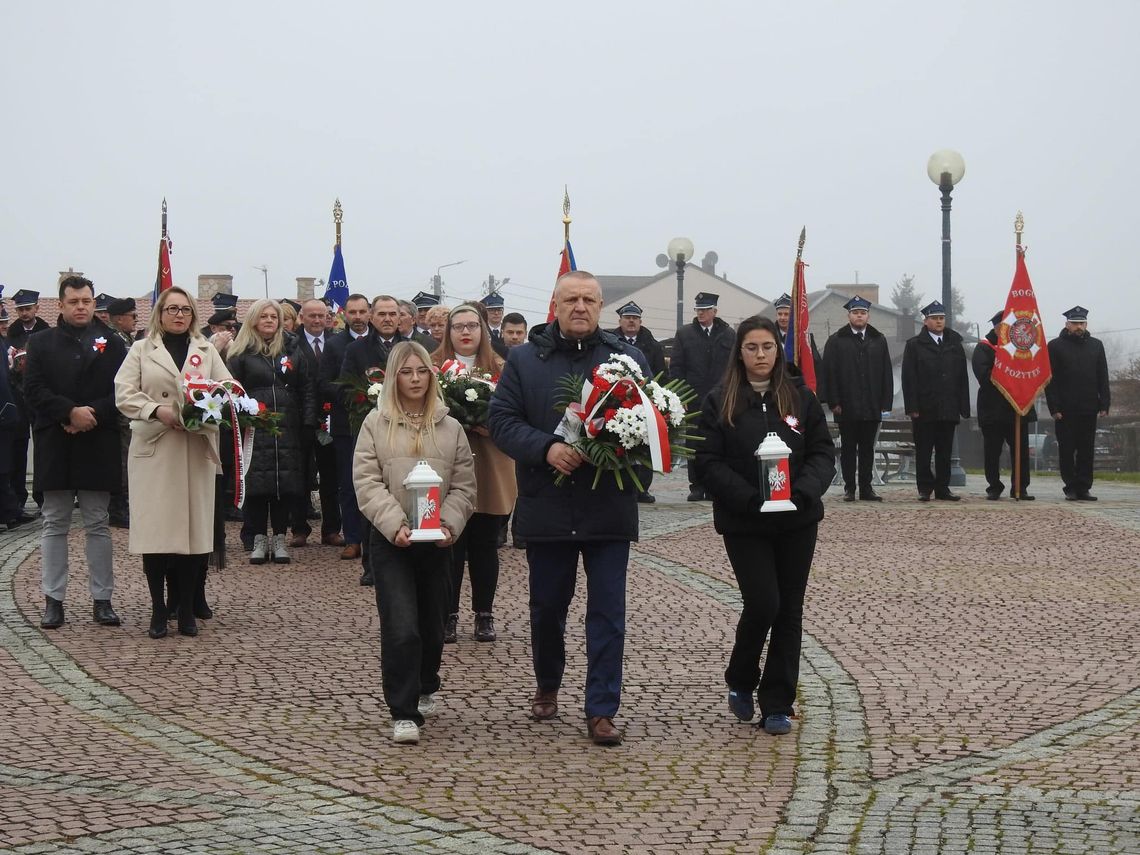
[[995, 436], [322, 460], [1076, 438], [937, 437], [183, 575], [857, 441], [772, 574], [350, 516], [9, 510], [478, 547], [262, 511], [18, 476], [553, 573], [411, 590]]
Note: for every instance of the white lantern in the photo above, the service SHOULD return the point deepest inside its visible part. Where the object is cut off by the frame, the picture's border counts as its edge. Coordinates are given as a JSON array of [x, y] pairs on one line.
[[423, 485], [775, 475]]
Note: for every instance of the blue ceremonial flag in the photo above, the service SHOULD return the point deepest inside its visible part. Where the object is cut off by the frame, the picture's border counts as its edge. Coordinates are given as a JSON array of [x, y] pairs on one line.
[[336, 291]]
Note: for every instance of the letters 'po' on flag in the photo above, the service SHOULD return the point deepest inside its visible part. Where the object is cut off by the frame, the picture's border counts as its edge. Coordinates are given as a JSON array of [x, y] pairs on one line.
[[1021, 357], [565, 265], [336, 291]]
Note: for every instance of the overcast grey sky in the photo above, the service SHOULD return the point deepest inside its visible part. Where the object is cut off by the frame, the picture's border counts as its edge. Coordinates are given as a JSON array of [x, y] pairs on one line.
[[448, 130]]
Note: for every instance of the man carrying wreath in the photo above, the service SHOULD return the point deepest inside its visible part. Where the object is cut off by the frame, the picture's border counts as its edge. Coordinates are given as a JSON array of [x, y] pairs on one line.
[[560, 521]]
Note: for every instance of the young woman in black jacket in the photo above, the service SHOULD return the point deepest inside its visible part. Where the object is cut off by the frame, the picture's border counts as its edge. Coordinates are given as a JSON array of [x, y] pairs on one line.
[[770, 553]]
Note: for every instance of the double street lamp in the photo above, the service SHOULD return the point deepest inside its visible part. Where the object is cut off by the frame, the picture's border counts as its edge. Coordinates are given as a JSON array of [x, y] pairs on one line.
[[946, 169], [680, 251]]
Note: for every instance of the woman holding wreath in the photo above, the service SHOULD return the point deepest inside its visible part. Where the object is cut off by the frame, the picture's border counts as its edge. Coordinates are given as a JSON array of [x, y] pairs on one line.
[[171, 470], [468, 342]]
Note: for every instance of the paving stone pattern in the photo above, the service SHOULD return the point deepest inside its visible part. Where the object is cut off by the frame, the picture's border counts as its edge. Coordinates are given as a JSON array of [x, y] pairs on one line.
[[959, 693]]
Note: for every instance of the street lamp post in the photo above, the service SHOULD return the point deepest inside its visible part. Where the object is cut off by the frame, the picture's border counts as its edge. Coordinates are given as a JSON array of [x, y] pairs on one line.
[[437, 281], [946, 168], [264, 272], [680, 250]]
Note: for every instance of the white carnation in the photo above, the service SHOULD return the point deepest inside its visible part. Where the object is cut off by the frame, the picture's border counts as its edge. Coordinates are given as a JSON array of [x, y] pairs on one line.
[[471, 395]]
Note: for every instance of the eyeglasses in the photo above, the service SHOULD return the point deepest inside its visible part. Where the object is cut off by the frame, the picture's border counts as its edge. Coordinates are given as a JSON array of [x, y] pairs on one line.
[[469, 327], [752, 349], [414, 372], [178, 310]]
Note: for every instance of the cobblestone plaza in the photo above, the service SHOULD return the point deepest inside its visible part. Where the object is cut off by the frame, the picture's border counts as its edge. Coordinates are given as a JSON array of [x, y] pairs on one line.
[[970, 683]]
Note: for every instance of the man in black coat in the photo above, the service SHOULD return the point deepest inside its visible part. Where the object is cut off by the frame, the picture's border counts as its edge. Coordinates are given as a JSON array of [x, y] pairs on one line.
[[26, 325], [560, 521], [996, 418], [357, 312], [633, 333], [936, 394], [859, 386], [69, 386], [1077, 395], [319, 457], [700, 355]]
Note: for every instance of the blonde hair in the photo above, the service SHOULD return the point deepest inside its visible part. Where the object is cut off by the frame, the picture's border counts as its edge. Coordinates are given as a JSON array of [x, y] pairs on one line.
[[248, 338], [288, 313], [389, 404], [154, 322], [485, 357]]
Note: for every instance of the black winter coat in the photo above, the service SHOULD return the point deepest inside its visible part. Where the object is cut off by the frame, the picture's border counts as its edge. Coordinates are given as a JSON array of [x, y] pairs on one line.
[[650, 348], [700, 359], [993, 408], [1080, 376], [329, 391], [728, 470], [857, 375], [522, 422], [277, 467], [934, 379], [70, 367]]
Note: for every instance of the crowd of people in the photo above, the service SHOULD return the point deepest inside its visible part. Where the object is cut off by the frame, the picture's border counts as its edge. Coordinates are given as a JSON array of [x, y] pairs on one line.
[[105, 406]]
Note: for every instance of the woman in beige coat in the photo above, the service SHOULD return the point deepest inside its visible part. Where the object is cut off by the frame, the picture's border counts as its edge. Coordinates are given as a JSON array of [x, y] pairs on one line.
[[410, 424], [171, 470], [468, 340]]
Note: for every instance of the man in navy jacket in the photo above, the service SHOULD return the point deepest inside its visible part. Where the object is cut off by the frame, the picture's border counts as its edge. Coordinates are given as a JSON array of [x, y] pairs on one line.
[[559, 522]]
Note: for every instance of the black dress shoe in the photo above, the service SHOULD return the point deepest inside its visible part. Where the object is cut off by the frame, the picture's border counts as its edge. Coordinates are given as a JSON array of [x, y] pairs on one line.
[[646, 498], [366, 579], [103, 614], [187, 626], [1086, 497], [870, 496], [947, 497], [924, 497], [53, 614], [451, 629], [991, 496], [22, 519], [696, 494], [849, 495], [1025, 497]]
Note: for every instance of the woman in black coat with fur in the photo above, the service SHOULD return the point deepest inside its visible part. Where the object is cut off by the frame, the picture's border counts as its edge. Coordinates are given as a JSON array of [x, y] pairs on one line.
[[262, 363], [770, 553]]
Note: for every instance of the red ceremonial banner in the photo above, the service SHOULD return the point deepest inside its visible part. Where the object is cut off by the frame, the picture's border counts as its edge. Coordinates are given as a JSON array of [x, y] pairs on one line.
[[1021, 358]]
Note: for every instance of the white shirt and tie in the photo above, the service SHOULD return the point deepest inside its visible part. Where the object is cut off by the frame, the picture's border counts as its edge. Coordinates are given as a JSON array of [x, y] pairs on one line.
[[937, 339], [317, 343]]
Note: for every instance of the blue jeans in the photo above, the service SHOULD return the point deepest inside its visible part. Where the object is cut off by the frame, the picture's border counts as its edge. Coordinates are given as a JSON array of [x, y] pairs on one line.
[[349, 511], [412, 588], [553, 574]]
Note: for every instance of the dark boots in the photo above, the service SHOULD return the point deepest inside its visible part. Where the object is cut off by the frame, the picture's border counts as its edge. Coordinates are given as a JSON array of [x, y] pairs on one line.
[[156, 581], [185, 577]]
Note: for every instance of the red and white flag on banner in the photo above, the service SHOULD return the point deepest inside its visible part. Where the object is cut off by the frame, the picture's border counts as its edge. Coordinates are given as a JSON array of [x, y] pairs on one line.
[[1021, 358]]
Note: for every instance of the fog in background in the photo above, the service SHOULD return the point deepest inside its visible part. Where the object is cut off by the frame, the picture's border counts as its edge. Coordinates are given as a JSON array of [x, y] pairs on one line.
[[449, 129]]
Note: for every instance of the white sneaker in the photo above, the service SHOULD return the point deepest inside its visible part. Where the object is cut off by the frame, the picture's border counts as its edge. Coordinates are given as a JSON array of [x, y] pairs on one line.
[[427, 705], [406, 731]]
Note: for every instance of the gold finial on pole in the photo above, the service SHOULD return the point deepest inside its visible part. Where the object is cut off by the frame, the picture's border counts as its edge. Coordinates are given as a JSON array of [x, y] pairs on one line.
[[1018, 228], [164, 216], [566, 211], [803, 239], [338, 217]]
